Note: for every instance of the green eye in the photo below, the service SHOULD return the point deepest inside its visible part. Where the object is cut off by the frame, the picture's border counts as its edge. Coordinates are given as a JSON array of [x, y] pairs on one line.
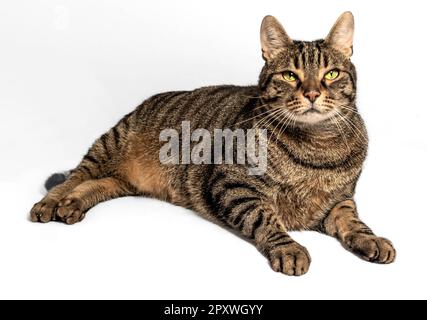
[[289, 76], [332, 75]]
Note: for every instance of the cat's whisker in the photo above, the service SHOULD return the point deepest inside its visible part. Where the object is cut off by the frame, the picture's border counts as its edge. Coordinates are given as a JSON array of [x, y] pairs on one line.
[[359, 137], [353, 127], [342, 133], [287, 120], [258, 115], [349, 109], [279, 119], [271, 114], [283, 118], [266, 124], [263, 121], [260, 106]]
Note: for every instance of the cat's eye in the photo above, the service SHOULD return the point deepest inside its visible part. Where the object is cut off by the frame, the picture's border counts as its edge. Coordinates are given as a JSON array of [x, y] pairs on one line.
[[289, 76], [332, 75]]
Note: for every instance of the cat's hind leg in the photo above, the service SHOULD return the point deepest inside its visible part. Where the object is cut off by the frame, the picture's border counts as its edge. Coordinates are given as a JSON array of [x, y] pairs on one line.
[[73, 207], [344, 224], [98, 163]]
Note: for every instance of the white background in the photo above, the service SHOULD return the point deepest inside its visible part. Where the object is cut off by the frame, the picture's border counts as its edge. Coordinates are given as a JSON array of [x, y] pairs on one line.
[[70, 69]]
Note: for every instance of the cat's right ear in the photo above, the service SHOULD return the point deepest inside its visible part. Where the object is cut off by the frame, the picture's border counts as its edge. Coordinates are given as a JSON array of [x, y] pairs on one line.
[[273, 38]]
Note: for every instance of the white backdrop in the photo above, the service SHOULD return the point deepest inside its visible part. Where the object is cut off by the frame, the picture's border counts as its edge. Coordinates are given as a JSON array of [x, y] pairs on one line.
[[70, 69]]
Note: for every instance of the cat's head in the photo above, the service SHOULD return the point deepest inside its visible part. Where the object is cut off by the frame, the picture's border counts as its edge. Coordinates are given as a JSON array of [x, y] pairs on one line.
[[310, 81]]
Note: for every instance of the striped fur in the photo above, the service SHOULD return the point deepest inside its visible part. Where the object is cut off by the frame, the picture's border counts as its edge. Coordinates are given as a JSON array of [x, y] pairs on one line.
[[314, 161]]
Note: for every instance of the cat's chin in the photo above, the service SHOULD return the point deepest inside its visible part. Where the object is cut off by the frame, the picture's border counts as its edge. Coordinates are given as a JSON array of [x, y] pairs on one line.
[[312, 118]]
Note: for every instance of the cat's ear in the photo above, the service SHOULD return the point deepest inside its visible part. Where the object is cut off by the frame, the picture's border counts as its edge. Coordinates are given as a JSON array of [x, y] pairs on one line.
[[273, 38], [341, 35]]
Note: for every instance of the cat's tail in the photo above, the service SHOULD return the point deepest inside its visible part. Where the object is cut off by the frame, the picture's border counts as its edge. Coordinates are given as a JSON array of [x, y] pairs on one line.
[[56, 179]]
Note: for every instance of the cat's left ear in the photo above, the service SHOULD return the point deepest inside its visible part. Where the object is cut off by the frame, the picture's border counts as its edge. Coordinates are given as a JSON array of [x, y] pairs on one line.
[[341, 35]]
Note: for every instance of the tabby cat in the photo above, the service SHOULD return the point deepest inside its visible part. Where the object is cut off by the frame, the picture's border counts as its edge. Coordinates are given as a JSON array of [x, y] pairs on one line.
[[317, 142]]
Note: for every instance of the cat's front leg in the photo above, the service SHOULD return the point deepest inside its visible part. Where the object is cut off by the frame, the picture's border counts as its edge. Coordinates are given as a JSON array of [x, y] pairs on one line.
[[258, 222], [344, 224]]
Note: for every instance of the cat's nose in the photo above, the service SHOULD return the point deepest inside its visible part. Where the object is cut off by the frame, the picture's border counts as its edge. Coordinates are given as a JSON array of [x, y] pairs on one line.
[[311, 95]]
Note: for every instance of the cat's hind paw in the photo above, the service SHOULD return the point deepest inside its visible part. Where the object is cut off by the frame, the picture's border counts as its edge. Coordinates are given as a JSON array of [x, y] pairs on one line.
[[43, 211], [70, 210]]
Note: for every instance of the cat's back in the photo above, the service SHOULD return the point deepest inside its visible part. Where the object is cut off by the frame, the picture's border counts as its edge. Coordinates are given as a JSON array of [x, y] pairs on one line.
[[206, 107]]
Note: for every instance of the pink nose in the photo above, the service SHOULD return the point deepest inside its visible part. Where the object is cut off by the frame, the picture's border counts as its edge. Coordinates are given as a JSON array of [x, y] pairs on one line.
[[312, 95]]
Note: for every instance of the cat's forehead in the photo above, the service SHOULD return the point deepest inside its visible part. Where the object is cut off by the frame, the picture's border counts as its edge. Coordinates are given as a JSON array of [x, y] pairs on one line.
[[310, 55]]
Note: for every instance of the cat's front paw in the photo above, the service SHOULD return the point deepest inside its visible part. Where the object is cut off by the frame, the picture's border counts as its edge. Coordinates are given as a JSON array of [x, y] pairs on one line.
[[70, 210], [292, 259], [43, 211], [371, 248]]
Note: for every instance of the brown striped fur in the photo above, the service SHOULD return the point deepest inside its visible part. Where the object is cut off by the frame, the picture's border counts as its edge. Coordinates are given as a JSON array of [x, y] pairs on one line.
[[317, 145]]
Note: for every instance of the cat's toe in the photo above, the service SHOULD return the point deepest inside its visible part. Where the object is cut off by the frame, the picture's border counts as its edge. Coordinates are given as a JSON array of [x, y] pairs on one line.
[[372, 248], [69, 210], [292, 259], [43, 211]]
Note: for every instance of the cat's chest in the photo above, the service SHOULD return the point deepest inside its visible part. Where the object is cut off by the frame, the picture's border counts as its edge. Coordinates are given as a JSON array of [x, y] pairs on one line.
[[307, 194]]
